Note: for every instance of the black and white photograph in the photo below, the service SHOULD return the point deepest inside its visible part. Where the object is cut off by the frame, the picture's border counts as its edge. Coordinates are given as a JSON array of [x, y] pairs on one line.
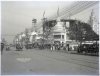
[[49, 37]]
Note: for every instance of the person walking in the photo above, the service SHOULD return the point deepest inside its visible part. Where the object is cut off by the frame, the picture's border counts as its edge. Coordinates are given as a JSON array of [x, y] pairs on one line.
[[2, 47]]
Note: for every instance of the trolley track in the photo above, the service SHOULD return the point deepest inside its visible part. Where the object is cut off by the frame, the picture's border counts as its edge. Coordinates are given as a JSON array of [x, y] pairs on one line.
[[81, 62]]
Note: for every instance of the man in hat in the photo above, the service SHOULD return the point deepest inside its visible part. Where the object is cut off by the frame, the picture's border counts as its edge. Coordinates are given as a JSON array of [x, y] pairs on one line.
[[2, 47]]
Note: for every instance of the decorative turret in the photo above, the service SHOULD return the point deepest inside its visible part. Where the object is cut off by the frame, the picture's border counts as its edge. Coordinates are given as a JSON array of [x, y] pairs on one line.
[[93, 22]]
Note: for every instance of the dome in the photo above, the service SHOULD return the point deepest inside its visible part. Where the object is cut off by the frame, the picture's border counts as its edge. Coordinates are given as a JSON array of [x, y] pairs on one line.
[[58, 27]]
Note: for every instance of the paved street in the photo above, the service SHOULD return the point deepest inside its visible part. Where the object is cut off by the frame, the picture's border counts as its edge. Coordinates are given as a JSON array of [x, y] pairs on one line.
[[40, 62]]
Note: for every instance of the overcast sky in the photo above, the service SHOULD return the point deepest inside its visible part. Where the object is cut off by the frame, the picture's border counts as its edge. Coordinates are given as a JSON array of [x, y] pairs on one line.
[[17, 15]]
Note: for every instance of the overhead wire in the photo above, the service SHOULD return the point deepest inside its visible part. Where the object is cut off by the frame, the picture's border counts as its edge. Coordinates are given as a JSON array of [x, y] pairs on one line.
[[76, 8]]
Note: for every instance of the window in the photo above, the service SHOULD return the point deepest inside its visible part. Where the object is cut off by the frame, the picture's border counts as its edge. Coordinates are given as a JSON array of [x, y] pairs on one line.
[[62, 36], [57, 36]]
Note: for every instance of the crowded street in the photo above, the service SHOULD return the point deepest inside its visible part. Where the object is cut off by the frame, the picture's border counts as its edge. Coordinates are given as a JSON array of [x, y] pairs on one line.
[[47, 62], [49, 38]]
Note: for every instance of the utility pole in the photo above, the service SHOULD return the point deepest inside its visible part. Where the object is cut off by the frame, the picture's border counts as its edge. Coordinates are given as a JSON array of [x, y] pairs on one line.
[[76, 27], [43, 25]]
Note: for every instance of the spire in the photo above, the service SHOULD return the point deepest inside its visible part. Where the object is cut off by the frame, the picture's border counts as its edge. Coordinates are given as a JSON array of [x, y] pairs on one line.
[[91, 18], [58, 18], [58, 12]]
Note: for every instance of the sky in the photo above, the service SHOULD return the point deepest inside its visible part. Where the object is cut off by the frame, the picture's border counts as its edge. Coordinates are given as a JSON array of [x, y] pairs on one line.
[[18, 15]]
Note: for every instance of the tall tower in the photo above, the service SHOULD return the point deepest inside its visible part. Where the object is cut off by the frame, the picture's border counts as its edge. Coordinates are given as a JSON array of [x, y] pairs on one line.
[[93, 22]]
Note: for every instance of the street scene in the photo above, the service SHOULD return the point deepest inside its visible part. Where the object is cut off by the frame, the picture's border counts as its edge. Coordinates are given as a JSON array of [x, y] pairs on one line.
[[49, 38], [45, 62]]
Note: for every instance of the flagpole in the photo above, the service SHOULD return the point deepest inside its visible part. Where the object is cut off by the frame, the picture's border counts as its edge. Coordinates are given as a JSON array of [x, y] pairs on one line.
[[44, 14]]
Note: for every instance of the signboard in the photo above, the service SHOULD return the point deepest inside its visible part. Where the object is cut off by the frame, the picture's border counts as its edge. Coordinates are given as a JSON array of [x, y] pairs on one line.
[[67, 24]]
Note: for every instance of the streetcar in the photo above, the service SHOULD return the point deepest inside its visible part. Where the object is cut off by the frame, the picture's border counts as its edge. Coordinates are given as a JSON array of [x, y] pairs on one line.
[[89, 48]]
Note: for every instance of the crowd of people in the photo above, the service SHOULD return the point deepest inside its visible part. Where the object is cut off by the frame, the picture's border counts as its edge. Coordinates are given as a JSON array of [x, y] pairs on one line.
[[93, 48], [54, 46], [59, 46]]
